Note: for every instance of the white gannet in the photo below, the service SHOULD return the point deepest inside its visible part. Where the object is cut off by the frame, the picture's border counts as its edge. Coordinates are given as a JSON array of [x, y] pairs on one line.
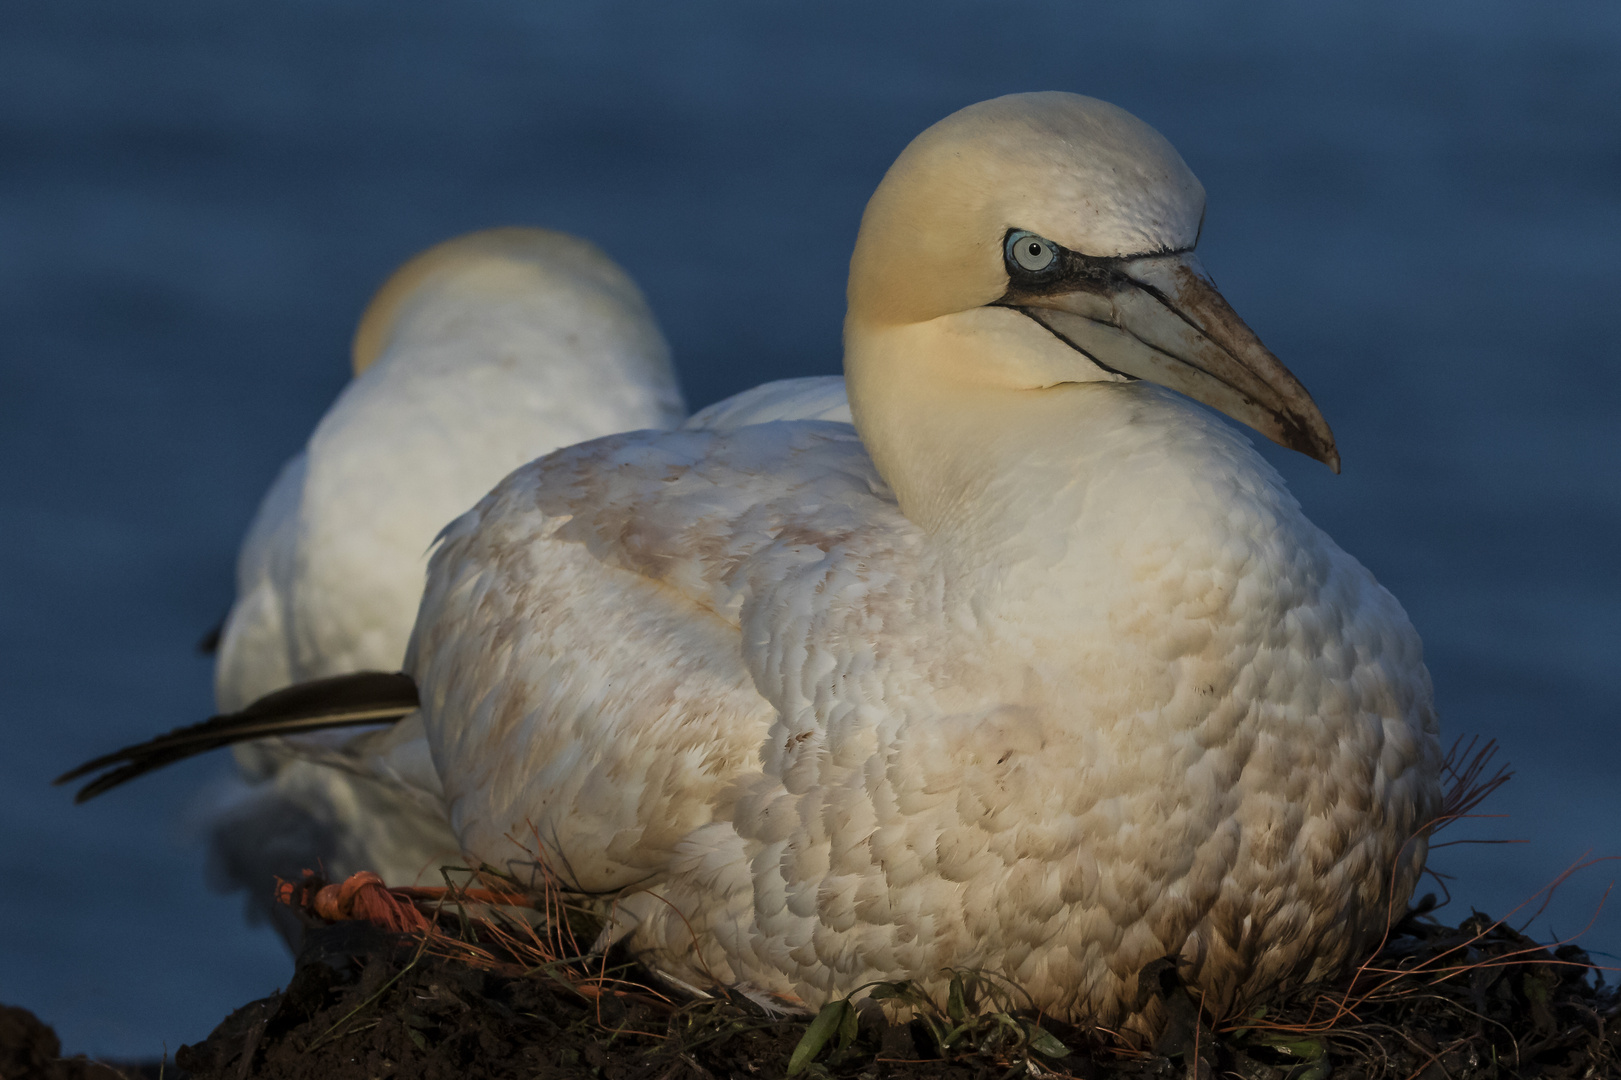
[[477, 355], [1037, 669]]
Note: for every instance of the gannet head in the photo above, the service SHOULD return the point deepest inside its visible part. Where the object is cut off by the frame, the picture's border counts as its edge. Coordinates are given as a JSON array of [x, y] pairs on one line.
[[478, 271], [1047, 239]]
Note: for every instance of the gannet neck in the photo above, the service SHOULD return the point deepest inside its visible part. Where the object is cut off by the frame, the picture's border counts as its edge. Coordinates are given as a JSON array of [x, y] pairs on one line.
[[935, 407], [989, 470]]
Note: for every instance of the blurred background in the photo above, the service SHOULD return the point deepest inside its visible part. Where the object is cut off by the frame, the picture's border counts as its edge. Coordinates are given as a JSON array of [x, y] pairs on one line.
[[1417, 205]]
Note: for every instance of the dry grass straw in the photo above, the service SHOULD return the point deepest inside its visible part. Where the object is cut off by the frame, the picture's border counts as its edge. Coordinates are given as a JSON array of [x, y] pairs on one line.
[[531, 928], [1480, 948], [491, 921]]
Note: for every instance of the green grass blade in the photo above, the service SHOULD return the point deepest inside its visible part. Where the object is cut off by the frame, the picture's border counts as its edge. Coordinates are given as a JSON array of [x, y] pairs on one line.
[[821, 1029], [1045, 1042]]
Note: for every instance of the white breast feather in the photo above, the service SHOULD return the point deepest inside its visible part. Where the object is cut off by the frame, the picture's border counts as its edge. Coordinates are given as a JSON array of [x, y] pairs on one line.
[[728, 678]]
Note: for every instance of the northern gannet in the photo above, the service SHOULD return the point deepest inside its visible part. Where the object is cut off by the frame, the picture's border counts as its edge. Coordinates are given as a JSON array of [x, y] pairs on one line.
[[1037, 669], [477, 355]]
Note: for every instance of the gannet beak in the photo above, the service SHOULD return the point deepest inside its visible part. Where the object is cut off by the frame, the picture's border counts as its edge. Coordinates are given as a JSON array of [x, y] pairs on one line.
[[1160, 318]]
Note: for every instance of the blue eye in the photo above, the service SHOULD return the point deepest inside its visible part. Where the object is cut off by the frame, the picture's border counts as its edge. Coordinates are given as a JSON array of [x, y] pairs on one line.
[[1030, 252]]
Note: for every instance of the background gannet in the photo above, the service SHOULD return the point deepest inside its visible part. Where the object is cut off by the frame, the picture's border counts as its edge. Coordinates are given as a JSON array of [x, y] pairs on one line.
[[477, 355], [1039, 669], [396, 762]]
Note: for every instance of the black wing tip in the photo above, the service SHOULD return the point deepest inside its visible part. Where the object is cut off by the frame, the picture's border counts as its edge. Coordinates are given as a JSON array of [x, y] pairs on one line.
[[104, 762], [104, 783], [71, 774], [209, 643], [363, 698]]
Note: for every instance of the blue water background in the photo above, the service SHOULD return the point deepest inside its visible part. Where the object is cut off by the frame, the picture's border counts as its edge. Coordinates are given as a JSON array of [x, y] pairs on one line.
[[1417, 205]]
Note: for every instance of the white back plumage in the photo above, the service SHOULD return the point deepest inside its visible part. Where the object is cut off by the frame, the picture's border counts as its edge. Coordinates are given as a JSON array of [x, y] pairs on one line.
[[1043, 672], [479, 354], [490, 350]]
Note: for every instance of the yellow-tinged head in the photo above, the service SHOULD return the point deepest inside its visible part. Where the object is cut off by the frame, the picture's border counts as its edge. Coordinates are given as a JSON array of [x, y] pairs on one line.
[[1042, 239], [513, 260]]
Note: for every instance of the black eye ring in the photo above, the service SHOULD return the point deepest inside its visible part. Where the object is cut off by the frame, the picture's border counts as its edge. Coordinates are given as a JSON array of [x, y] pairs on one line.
[[1028, 253]]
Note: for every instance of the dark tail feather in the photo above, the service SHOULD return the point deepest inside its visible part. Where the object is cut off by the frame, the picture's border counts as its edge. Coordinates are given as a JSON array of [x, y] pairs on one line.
[[366, 697], [209, 643]]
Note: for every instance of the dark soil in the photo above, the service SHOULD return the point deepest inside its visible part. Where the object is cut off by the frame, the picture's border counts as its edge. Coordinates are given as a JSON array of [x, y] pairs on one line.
[[368, 1004], [30, 1050]]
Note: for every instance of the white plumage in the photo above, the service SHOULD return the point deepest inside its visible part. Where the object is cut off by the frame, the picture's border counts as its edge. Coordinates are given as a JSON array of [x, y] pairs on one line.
[[1037, 669], [479, 354]]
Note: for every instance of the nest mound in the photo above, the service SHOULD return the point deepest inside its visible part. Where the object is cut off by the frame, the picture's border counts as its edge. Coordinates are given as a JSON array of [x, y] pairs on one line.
[[475, 997], [30, 1050]]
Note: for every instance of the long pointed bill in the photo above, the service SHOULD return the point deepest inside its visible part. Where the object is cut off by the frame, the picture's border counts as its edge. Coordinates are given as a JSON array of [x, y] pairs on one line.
[[1161, 319]]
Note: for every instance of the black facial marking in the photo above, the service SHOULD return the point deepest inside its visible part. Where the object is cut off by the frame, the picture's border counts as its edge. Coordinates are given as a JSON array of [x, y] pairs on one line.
[[1061, 337], [1071, 271], [1068, 272]]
